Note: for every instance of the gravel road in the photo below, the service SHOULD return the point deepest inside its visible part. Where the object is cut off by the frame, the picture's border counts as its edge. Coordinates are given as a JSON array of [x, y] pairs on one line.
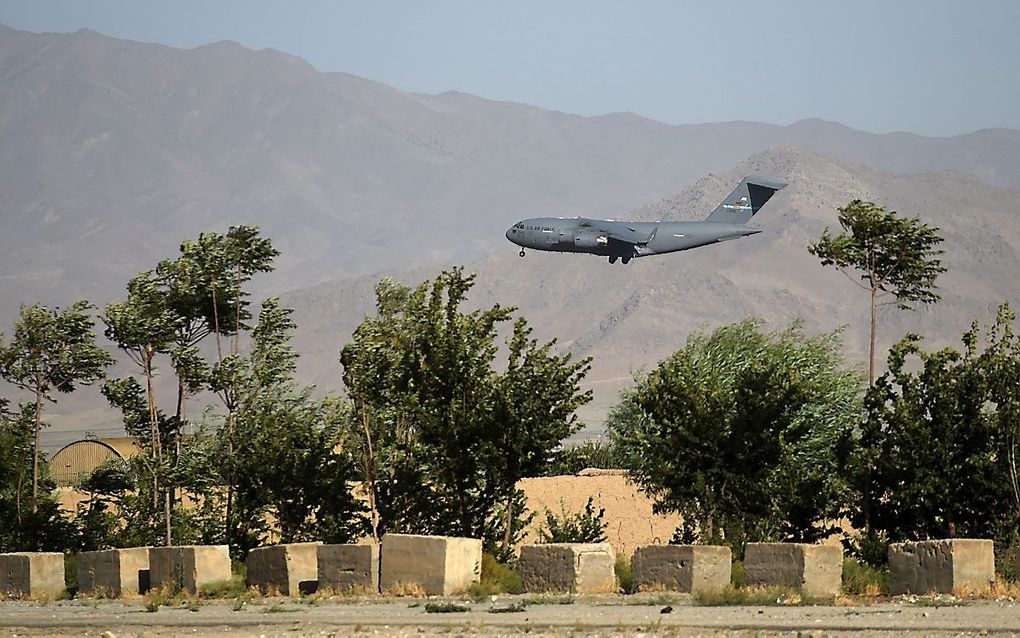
[[605, 616]]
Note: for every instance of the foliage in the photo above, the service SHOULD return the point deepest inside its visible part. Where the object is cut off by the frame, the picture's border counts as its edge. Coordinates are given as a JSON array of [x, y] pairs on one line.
[[757, 596], [937, 453], [52, 351], [442, 437], [445, 608], [741, 433], [573, 459], [896, 258], [586, 526], [502, 578], [624, 577], [861, 579], [289, 457]]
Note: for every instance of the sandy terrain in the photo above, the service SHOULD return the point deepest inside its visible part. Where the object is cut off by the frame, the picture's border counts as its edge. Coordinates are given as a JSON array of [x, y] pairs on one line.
[[603, 616]]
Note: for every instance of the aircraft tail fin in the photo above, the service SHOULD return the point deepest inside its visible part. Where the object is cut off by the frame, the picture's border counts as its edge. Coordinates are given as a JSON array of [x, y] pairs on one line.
[[745, 200]]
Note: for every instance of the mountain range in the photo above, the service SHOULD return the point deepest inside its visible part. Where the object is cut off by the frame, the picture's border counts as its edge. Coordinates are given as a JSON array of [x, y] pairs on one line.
[[112, 152]]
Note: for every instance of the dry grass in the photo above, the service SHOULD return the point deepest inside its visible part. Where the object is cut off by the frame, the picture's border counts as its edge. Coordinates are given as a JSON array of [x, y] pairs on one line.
[[998, 590], [413, 590]]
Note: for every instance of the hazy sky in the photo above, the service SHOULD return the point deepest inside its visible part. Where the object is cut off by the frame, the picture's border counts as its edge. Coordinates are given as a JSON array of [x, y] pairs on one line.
[[934, 67]]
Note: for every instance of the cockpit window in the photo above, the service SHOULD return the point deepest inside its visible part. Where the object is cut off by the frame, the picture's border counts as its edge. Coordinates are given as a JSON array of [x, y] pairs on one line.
[[521, 225]]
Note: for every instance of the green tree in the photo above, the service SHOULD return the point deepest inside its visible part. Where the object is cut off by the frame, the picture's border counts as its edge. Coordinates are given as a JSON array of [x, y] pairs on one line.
[[144, 326], [740, 432], [290, 460], [443, 437], [52, 351], [937, 452], [895, 259]]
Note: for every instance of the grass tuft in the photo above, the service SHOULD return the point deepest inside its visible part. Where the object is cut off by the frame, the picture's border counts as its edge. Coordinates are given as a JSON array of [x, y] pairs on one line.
[[512, 608], [753, 596], [549, 599], [230, 588], [445, 608], [624, 578], [860, 579]]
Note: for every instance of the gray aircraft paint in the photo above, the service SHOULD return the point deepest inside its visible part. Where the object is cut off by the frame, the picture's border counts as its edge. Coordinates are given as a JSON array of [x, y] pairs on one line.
[[625, 240]]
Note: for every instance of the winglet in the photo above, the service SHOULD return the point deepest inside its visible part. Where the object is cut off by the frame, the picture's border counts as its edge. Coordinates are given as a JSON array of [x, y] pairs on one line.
[[745, 200]]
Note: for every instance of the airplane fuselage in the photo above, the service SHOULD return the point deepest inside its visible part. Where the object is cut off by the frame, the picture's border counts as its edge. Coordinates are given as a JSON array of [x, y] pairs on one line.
[[566, 235], [626, 240]]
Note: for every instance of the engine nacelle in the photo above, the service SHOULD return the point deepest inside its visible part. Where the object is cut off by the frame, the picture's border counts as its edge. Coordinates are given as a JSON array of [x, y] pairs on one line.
[[590, 240]]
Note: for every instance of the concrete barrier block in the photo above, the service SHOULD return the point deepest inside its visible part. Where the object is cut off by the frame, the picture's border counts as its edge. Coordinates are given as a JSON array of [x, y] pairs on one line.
[[681, 568], [941, 566], [441, 565], [814, 569], [348, 567], [114, 572], [289, 569], [188, 567], [31, 574], [584, 568]]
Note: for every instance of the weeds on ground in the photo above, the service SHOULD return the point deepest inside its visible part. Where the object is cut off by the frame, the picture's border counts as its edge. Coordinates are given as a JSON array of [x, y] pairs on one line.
[[1000, 589], [277, 609], [861, 579], [512, 608], [659, 599], [230, 588], [445, 608], [624, 578], [737, 574], [760, 596], [168, 596], [413, 590], [549, 599]]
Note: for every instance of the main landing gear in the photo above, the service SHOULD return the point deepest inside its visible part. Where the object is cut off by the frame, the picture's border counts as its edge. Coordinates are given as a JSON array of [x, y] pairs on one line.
[[612, 259], [521, 253]]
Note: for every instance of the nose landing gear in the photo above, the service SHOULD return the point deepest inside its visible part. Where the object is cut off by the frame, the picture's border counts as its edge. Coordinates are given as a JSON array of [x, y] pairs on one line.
[[613, 258], [521, 253]]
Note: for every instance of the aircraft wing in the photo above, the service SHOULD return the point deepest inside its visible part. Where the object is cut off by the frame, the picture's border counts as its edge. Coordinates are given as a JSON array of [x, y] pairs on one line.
[[620, 231]]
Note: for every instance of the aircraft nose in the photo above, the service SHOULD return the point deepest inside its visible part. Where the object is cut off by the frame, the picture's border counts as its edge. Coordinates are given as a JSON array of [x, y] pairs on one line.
[[510, 234]]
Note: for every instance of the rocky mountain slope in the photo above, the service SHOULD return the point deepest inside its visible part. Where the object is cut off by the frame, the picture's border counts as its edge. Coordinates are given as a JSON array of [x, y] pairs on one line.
[[630, 317], [112, 152]]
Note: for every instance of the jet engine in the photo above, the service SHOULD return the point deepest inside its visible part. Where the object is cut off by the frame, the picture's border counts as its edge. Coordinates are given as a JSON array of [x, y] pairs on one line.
[[590, 240]]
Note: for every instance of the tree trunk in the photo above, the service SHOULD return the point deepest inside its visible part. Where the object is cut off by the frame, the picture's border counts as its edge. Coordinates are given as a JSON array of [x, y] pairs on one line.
[[216, 320], [230, 476], [871, 349], [369, 463], [508, 531], [35, 446]]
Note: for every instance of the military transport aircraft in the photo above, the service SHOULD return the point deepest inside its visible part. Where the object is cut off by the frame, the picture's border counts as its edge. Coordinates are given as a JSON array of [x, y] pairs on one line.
[[625, 240]]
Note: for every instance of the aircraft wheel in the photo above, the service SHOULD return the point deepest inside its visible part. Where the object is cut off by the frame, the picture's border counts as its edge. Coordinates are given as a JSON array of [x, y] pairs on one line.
[[612, 260], [626, 260], [521, 253]]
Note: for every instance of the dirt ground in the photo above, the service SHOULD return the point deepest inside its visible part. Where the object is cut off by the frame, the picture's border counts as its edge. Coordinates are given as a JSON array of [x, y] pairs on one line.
[[588, 616]]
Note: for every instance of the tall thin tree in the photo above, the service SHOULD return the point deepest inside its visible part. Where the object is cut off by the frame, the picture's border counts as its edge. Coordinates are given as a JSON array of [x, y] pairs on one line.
[[895, 259]]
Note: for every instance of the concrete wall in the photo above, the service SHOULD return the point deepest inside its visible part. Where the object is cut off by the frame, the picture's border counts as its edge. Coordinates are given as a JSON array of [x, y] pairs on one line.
[[682, 568], [941, 566], [114, 572], [441, 565], [584, 568], [348, 567], [814, 569], [290, 569], [31, 574], [189, 566]]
